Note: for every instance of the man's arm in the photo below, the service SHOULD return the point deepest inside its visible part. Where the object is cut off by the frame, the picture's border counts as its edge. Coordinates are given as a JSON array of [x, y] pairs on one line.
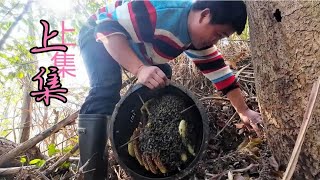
[[118, 47], [237, 100], [114, 29], [211, 64], [248, 116]]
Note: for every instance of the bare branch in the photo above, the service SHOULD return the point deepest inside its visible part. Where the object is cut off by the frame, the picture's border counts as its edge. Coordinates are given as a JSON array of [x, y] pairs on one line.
[[7, 34], [33, 141], [13, 170]]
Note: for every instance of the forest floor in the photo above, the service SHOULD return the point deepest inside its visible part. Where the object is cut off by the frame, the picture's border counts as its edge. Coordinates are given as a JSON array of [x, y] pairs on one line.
[[233, 151]]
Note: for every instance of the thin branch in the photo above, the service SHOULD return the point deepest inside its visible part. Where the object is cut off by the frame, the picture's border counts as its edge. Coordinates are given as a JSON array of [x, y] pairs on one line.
[[246, 168], [225, 125], [16, 21], [33, 141], [13, 170], [60, 161], [9, 10], [214, 98], [61, 142]]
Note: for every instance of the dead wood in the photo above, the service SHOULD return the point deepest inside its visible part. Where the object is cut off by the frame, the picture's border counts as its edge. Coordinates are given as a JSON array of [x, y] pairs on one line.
[[33, 141], [13, 170]]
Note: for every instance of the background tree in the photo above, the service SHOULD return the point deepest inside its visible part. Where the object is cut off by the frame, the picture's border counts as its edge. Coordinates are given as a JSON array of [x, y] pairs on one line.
[[285, 45]]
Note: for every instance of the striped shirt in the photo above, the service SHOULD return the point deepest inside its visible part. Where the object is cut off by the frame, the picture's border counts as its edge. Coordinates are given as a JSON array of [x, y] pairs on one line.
[[158, 32]]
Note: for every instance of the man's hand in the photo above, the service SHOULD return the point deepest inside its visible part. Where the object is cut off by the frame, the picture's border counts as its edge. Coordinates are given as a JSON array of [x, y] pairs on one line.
[[152, 77], [252, 120], [249, 117]]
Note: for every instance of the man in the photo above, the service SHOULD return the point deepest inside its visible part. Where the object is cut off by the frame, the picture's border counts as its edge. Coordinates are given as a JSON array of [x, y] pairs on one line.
[[142, 36]]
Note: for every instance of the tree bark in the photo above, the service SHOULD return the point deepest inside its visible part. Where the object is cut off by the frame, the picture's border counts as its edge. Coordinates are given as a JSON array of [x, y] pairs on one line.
[[26, 114], [286, 58], [26, 110], [13, 170]]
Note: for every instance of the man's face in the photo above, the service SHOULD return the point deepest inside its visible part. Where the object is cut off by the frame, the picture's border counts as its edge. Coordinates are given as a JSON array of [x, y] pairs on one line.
[[204, 34]]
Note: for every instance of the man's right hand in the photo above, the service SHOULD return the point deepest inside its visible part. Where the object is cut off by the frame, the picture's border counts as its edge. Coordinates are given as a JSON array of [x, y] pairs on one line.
[[152, 77]]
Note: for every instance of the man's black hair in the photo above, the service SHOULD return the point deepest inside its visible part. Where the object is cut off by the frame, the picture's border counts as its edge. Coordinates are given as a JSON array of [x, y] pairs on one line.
[[233, 13]]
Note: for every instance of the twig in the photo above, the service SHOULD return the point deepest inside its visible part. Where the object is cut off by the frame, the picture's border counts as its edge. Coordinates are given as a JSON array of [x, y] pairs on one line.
[[131, 81], [75, 159], [130, 141], [243, 76], [304, 126], [188, 108], [247, 72], [14, 170], [60, 143], [246, 168], [214, 176], [118, 173], [218, 176], [42, 175], [81, 169], [61, 160], [53, 158], [238, 40], [246, 80], [242, 69], [128, 78], [86, 164], [144, 104], [226, 125], [215, 98]]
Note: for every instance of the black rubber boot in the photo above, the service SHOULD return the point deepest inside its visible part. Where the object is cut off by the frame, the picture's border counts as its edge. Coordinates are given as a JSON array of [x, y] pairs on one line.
[[92, 132]]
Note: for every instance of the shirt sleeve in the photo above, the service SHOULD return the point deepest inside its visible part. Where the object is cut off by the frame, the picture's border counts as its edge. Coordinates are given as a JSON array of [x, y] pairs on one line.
[[211, 63], [135, 19]]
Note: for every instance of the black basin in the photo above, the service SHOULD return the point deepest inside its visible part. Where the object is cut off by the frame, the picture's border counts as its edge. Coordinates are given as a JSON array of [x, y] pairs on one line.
[[125, 119]]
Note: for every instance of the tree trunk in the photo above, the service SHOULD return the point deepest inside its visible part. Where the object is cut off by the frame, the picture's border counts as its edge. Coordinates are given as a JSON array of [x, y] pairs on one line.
[[26, 110], [27, 102], [286, 57]]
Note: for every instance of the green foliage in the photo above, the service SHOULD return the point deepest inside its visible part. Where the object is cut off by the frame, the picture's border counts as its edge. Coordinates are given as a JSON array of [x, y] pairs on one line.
[[37, 162], [67, 149], [93, 6], [245, 34], [23, 160], [65, 165], [52, 150], [5, 124], [75, 139], [20, 75]]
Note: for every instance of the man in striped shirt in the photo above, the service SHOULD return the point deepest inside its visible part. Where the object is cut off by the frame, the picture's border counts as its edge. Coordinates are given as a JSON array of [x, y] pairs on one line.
[[142, 36]]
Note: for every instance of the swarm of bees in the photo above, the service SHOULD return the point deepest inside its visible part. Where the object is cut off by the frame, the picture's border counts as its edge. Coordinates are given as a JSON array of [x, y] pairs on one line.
[[152, 161]]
